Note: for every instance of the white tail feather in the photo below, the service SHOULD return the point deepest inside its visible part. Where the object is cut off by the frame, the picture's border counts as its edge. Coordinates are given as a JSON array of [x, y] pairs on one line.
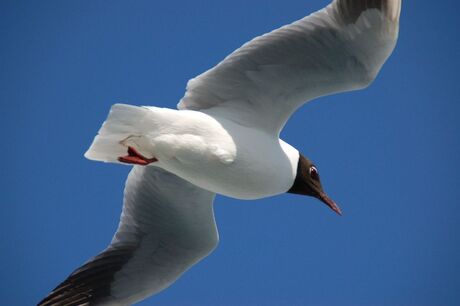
[[124, 121]]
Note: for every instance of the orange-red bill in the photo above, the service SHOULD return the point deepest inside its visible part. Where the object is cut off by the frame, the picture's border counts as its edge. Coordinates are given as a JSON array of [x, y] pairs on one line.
[[328, 201]]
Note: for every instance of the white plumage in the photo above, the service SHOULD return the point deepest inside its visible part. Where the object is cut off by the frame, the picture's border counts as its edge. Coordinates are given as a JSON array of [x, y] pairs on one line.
[[223, 139]]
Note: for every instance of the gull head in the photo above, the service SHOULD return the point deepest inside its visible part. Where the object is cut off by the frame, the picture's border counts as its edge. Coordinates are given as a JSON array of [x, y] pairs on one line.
[[307, 182]]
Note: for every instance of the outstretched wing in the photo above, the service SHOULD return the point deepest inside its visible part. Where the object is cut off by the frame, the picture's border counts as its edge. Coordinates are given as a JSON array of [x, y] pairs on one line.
[[339, 48], [166, 226]]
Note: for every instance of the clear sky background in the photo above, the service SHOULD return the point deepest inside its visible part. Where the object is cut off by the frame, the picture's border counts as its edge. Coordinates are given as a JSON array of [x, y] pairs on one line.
[[389, 155]]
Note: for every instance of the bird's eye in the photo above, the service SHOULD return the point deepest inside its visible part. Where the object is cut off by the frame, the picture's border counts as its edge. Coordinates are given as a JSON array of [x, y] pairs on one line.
[[314, 173]]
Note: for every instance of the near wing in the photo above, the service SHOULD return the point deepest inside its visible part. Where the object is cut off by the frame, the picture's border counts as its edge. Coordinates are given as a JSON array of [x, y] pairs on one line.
[[339, 48], [166, 226]]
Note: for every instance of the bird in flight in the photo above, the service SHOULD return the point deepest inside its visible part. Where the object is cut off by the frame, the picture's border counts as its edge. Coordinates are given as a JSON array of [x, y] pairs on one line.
[[223, 139]]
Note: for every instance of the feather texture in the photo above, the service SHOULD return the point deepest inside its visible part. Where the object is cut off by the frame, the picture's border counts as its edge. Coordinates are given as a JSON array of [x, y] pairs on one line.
[[339, 48], [167, 225]]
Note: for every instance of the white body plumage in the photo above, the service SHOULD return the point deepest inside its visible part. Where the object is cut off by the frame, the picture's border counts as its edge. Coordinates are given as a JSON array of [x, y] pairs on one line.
[[223, 139], [209, 151]]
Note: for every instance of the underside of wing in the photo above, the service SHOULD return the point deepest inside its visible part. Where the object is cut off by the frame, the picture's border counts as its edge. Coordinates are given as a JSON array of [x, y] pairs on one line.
[[339, 48], [167, 225]]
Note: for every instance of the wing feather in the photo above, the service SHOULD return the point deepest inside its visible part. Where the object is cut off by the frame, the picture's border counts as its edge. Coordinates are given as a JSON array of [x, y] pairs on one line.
[[339, 48], [167, 225]]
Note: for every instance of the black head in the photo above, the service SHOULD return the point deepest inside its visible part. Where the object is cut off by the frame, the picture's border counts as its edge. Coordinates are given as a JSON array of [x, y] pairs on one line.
[[307, 182]]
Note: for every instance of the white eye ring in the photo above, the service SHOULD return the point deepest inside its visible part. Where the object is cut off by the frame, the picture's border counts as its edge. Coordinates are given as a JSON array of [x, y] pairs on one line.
[[313, 169], [314, 174]]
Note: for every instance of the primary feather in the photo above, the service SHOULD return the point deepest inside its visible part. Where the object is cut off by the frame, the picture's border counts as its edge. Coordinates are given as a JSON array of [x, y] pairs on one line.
[[167, 224]]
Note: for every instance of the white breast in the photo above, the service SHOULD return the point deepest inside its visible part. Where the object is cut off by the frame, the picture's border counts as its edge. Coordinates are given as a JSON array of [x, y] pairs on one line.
[[204, 148], [224, 157]]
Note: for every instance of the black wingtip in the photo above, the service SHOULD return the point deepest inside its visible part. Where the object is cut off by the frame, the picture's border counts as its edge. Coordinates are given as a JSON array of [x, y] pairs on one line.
[[90, 284]]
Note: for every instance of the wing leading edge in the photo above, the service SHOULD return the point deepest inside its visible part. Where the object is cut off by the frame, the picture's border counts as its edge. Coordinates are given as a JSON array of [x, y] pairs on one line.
[[339, 48], [166, 226]]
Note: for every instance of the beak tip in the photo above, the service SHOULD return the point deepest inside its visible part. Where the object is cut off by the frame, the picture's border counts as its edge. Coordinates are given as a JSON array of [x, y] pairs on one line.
[[339, 212], [331, 204]]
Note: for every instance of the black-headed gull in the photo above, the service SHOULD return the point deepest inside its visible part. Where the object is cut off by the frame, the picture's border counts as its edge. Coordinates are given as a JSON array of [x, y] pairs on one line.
[[223, 139]]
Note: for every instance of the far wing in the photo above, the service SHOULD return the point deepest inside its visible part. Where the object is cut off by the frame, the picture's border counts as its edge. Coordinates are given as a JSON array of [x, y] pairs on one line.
[[339, 48], [167, 225]]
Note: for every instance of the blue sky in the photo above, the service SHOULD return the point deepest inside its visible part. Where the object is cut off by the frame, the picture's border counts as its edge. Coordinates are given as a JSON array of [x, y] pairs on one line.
[[389, 155]]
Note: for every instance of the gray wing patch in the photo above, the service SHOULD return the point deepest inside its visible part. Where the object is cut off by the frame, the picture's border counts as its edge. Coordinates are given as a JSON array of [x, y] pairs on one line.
[[339, 48], [167, 225]]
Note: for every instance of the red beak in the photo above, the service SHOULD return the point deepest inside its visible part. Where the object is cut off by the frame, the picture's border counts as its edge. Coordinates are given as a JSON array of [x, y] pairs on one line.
[[328, 201]]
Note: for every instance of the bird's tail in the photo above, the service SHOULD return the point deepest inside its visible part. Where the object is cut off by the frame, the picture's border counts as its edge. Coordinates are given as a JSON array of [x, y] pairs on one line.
[[125, 126]]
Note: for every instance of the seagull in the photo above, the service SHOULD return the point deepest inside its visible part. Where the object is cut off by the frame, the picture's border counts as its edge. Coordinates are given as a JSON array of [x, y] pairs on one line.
[[223, 139]]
